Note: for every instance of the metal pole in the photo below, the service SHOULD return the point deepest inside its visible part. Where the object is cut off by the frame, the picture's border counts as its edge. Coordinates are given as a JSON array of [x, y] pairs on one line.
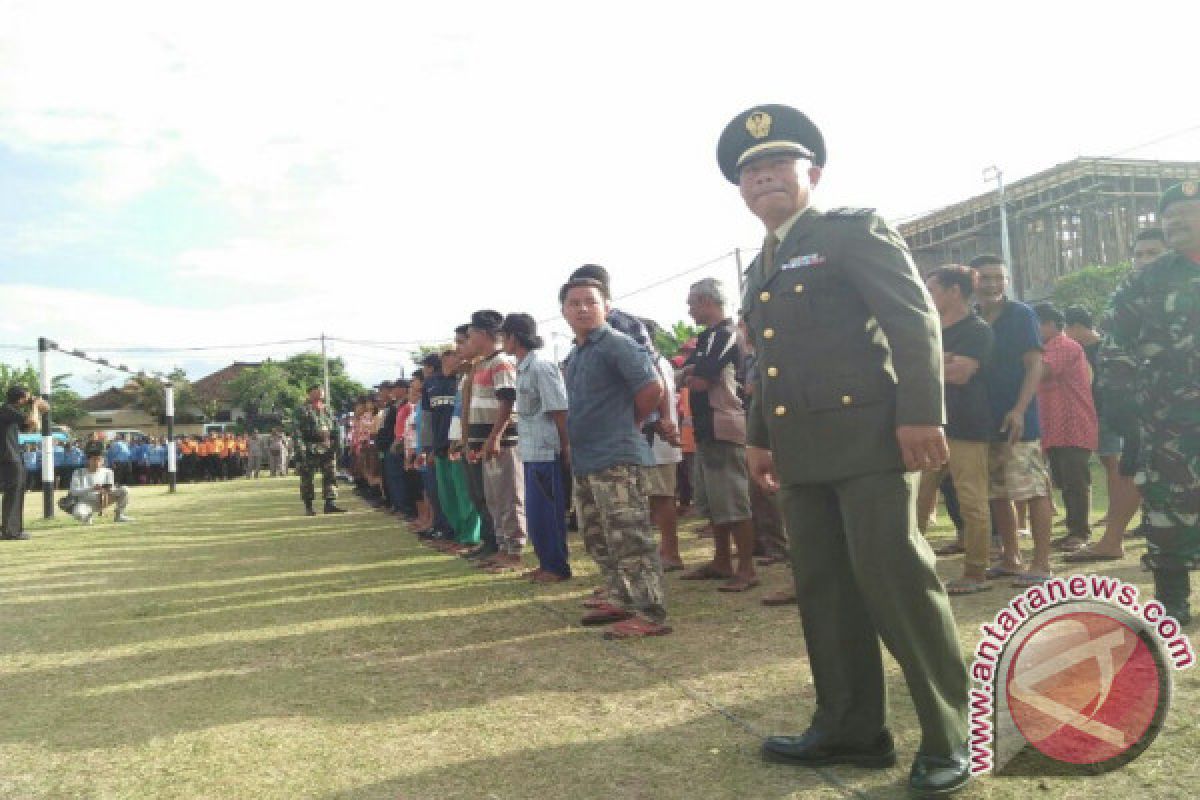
[[325, 370], [44, 346], [337, 444], [994, 173], [169, 391], [737, 258], [1005, 250]]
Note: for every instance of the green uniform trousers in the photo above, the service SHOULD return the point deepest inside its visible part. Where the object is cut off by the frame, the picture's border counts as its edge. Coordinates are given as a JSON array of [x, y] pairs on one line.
[[455, 499], [311, 464], [864, 573]]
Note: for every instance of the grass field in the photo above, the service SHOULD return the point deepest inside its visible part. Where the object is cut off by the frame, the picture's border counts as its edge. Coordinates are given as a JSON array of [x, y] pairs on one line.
[[224, 646]]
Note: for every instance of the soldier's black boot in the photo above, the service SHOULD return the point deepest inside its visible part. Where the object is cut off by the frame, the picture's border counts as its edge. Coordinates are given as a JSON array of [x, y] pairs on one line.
[[308, 509], [1172, 588], [330, 508]]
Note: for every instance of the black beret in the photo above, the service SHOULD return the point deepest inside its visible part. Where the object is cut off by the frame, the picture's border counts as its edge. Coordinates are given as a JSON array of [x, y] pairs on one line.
[[487, 320], [768, 130], [1188, 190]]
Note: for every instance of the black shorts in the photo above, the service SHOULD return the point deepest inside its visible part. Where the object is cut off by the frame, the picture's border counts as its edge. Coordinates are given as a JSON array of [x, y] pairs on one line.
[[1130, 448], [413, 485]]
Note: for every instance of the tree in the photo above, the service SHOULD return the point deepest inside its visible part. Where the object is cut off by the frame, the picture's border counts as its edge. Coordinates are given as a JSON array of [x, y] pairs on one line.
[[1091, 287], [266, 389], [669, 343], [423, 350], [66, 404], [150, 393], [304, 370]]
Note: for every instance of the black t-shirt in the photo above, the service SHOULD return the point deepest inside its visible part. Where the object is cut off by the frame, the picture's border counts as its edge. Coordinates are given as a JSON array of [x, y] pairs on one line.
[[717, 353], [1092, 351], [968, 412], [437, 400], [11, 422]]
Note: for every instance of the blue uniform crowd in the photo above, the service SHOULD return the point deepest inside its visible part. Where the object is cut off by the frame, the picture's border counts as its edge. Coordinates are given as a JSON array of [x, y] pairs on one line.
[[142, 461]]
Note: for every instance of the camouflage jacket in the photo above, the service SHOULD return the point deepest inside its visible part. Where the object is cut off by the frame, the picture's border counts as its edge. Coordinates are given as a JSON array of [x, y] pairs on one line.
[[1150, 360], [314, 431]]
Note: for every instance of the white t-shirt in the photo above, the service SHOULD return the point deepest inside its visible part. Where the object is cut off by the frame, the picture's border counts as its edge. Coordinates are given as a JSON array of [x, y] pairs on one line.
[[84, 481], [664, 453]]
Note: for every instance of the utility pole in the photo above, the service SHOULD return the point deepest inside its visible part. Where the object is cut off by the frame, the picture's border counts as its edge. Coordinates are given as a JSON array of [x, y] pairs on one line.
[[337, 440], [325, 370], [993, 173], [737, 260], [44, 346], [169, 393]]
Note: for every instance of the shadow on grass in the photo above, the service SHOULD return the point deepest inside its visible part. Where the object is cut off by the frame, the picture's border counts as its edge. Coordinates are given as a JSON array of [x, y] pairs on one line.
[[634, 759]]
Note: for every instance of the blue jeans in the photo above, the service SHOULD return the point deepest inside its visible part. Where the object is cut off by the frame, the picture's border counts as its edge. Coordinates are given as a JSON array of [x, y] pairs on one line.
[[546, 514], [393, 476]]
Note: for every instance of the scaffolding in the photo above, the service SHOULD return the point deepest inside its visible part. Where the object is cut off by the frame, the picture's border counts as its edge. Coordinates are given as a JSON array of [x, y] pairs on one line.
[[1081, 213]]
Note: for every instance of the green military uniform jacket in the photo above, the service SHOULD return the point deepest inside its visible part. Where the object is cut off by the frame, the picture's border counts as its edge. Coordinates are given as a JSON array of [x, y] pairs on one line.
[[849, 347], [1150, 378], [312, 425]]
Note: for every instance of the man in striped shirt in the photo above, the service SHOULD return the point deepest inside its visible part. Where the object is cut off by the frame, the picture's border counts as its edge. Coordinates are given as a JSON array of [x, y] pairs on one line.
[[492, 437]]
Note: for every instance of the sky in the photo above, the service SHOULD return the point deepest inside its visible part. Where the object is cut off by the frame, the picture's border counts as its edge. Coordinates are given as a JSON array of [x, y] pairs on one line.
[[227, 174]]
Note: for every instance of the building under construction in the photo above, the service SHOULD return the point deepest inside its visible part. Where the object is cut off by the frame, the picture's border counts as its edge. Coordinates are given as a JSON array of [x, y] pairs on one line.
[[1077, 214]]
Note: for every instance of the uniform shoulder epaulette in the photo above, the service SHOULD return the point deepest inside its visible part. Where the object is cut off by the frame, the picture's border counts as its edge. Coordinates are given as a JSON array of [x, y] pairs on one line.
[[849, 213]]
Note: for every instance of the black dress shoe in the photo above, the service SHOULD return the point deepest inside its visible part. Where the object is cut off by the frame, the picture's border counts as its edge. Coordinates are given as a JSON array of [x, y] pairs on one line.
[[939, 776], [16, 537], [814, 749], [330, 508]]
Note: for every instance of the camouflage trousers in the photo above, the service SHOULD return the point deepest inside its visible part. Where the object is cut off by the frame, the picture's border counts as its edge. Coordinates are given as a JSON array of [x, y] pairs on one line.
[[308, 466], [1169, 478], [614, 520]]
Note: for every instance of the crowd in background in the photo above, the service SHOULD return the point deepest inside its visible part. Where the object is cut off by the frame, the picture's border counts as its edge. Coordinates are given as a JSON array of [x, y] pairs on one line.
[[142, 460]]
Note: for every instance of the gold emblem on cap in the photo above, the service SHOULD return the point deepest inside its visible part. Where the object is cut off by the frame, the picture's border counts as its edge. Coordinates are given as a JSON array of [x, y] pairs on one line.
[[759, 124], [1189, 188]]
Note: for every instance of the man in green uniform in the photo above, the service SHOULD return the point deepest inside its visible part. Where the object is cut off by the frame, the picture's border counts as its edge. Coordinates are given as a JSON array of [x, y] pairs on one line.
[[1150, 376], [849, 400], [315, 431]]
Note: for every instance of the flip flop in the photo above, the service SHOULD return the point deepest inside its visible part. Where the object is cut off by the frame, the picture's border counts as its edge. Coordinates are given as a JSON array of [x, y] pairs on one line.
[[994, 573], [705, 573], [605, 615], [1027, 580], [636, 628], [1085, 555], [955, 549], [961, 587], [737, 585]]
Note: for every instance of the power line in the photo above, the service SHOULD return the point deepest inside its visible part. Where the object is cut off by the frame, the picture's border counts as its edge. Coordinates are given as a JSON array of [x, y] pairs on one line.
[[1156, 140], [662, 281], [1162, 138], [202, 348]]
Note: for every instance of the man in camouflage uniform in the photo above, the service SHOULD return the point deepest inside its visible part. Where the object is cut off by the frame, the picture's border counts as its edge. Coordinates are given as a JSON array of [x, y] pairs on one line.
[[1151, 372], [314, 437], [612, 387]]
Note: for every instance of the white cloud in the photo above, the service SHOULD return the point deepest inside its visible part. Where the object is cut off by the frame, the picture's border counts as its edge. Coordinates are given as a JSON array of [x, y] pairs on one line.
[[434, 159]]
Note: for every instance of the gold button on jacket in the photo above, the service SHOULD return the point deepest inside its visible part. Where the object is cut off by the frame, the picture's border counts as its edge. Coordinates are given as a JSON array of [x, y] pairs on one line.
[[851, 348]]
